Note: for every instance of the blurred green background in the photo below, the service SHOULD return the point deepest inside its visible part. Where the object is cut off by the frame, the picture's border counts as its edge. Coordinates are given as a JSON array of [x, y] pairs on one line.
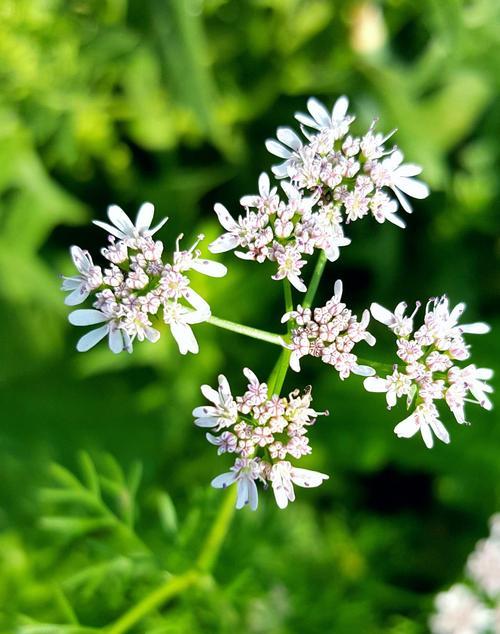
[[116, 101]]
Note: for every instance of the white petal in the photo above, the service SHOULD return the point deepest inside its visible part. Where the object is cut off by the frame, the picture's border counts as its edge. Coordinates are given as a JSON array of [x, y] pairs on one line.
[[363, 370], [207, 421], [224, 480], [196, 301], [152, 334], [295, 362], [110, 229], [196, 316], [210, 394], [244, 255], [225, 242], [78, 296], [408, 170], [396, 220], [478, 328], [280, 494], [307, 478], [225, 218], [264, 185], [427, 436], [381, 314], [115, 340], [318, 112], [120, 219], [224, 387], [80, 259], [403, 201], [70, 283], [253, 495], [91, 338], [340, 107], [297, 283], [184, 337], [205, 410], [306, 120], [484, 373], [288, 137], [412, 187], [209, 267], [86, 317], [251, 376], [243, 494], [144, 217], [153, 230], [375, 384], [337, 290], [391, 398], [407, 427], [250, 201], [440, 430], [277, 149], [280, 171]]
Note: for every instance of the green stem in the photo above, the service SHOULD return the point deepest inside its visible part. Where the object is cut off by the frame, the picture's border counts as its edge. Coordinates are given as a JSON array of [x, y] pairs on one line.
[[171, 588], [248, 331], [383, 368], [178, 584], [315, 279], [218, 532], [288, 296]]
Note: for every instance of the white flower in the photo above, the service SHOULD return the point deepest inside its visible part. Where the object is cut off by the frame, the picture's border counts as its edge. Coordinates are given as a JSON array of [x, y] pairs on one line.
[[400, 324], [289, 266], [483, 566], [443, 322], [244, 472], [337, 122], [424, 419], [267, 196], [287, 147], [118, 339], [192, 260], [283, 476], [391, 173], [459, 611], [395, 385], [122, 227], [89, 278], [179, 317], [223, 412]]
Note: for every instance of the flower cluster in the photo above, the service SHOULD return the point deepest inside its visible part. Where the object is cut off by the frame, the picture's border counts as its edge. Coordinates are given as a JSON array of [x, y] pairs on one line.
[[263, 432], [281, 231], [430, 372], [353, 173], [136, 287], [333, 178], [329, 332], [476, 609]]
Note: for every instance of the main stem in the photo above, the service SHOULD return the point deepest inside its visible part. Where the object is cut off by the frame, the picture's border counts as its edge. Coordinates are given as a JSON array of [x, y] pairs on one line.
[[212, 545]]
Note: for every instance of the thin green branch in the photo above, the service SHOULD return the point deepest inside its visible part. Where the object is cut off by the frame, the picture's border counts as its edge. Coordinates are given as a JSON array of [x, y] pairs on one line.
[[213, 543], [382, 368], [315, 279], [170, 589], [248, 331]]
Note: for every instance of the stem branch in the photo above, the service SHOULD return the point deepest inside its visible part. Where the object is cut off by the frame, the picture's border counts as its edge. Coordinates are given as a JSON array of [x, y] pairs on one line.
[[315, 279], [248, 331]]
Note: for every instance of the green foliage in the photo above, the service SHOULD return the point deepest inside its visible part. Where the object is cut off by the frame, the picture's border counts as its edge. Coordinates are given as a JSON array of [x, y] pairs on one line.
[[123, 101]]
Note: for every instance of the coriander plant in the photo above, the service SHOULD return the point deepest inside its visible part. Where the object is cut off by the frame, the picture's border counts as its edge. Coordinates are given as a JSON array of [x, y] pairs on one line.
[[327, 178]]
